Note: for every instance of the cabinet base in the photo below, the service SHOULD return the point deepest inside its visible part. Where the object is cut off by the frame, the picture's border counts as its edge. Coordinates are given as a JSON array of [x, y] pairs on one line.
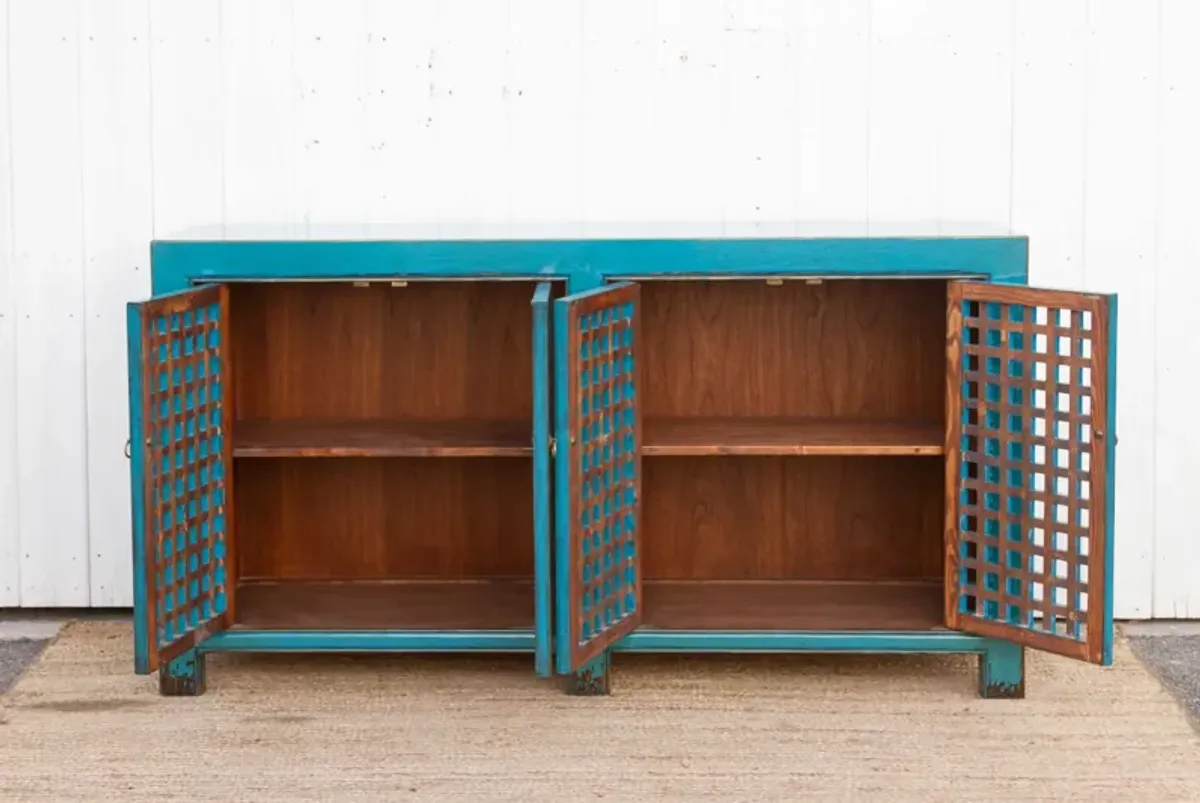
[[1002, 672], [593, 679], [183, 676], [1001, 664]]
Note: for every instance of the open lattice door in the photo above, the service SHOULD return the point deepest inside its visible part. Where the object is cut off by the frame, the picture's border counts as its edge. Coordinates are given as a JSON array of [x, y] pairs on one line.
[[598, 472], [180, 456], [1029, 459]]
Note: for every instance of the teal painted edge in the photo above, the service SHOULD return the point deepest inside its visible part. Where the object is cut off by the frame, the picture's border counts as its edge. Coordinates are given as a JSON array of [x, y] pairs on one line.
[[697, 641], [562, 487], [1110, 480], [177, 264], [370, 640], [722, 641], [541, 479], [137, 487]]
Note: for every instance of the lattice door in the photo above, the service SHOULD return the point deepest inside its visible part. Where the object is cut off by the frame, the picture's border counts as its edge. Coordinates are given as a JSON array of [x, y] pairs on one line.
[[1029, 452], [599, 471], [181, 457]]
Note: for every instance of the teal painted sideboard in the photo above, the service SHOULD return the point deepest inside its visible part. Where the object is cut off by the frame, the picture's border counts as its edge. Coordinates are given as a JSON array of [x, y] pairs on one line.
[[577, 448]]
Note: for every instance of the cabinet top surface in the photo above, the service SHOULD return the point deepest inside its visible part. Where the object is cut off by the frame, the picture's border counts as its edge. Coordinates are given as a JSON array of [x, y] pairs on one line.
[[176, 264]]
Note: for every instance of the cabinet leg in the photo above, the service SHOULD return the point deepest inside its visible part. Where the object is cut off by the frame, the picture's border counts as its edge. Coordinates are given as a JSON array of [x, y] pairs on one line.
[[182, 676], [1002, 671], [592, 678]]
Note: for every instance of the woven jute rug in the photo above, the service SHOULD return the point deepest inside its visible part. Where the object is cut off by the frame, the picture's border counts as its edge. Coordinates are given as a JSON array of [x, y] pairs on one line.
[[81, 726]]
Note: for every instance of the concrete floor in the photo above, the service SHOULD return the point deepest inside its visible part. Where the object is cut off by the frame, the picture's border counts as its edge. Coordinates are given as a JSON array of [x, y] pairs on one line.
[[23, 636], [1171, 650]]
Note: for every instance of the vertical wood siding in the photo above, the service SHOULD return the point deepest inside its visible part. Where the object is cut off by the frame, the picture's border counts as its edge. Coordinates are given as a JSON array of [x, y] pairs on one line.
[[1074, 122]]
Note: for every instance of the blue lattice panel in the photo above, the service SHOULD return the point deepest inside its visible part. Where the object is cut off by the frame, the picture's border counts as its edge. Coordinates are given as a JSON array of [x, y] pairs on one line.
[[186, 466], [606, 469], [1029, 524]]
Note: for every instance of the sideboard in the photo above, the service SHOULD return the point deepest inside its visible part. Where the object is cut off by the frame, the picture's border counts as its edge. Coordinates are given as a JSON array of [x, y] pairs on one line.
[[571, 448]]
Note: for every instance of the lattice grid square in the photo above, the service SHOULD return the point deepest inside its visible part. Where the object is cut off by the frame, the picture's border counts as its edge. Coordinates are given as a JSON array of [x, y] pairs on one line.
[[607, 469], [1027, 483], [184, 367]]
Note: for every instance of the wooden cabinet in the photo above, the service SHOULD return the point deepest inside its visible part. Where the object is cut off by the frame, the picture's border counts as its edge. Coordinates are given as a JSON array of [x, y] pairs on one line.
[[577, 448]]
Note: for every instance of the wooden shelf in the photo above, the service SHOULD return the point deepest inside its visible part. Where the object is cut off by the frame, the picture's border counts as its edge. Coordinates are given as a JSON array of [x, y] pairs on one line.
[[385, 605], [691, 437], [695, 437], [504, 604], [381, 438], [792, 605]]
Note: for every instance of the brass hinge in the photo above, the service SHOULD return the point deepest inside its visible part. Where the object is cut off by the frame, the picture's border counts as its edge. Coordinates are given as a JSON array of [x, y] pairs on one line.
[[553, 447]]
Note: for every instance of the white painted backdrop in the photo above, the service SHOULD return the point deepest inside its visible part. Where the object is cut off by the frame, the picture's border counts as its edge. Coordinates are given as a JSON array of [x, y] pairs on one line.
[[1076, 122]]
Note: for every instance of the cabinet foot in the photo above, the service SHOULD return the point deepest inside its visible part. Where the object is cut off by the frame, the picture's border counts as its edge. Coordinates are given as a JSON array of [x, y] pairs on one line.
[[592, 678], [183, 676], [1002, 672]]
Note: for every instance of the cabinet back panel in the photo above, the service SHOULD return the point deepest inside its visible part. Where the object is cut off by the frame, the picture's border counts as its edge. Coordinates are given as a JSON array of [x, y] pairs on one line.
[[864, 349], [431, 350], [792, 518], [368, 518]]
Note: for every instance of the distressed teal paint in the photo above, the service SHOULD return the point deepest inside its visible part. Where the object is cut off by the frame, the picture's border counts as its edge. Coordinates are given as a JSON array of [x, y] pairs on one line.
[[183, 676], [177, 264], [1110, 480], [1002, 671], [562, 489], [541, 478], [593, 678], [519, 641], [700, 641], [142, 593], [583, 282], [184, 667]]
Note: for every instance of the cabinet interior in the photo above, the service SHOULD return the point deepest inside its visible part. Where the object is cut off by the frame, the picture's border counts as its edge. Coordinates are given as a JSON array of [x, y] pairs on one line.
[[792, 476], [382, 442]]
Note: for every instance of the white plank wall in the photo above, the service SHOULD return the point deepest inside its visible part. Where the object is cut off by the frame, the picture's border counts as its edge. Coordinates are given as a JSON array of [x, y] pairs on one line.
[[1074, 122]]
